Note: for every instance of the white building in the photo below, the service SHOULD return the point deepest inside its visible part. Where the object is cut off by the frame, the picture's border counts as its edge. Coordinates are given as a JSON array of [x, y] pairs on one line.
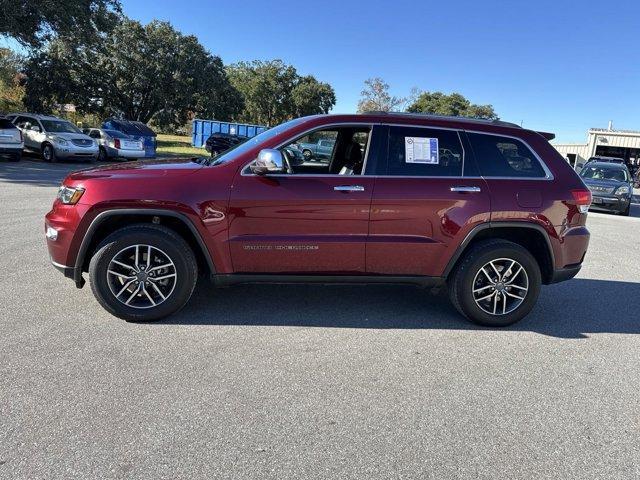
[[605, 143]]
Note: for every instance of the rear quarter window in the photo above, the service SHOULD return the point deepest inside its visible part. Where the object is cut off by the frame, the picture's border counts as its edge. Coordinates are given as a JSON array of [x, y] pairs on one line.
[[507, 157]]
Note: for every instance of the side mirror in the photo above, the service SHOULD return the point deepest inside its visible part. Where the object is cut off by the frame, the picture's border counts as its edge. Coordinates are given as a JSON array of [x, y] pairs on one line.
[[269, 161]]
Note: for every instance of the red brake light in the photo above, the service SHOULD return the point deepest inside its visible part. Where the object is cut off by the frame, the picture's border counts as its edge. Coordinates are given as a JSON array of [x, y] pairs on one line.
[[116, 143], [583, 199]]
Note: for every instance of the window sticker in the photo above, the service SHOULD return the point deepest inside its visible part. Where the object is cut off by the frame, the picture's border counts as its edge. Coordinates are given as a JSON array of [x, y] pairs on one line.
[[421, 150]]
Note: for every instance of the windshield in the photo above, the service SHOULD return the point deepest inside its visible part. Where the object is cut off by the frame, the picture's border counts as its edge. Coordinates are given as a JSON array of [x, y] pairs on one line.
[[604, 173], [242, 148], [59, 126]]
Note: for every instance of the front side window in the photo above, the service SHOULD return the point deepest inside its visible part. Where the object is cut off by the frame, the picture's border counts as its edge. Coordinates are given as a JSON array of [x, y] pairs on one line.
[[424, 152], [334, 151], [508, 157]]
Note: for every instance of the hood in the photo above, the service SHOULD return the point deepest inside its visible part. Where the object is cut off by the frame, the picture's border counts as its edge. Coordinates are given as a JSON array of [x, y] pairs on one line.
[[70, 136], [140, 169]]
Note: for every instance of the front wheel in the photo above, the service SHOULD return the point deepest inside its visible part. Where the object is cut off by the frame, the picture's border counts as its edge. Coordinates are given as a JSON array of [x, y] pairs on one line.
[[49, 153], [496, 284], [143, 273]]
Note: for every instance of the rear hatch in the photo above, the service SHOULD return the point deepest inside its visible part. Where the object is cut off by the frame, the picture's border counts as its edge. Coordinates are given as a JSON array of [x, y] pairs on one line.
[[9, 134]]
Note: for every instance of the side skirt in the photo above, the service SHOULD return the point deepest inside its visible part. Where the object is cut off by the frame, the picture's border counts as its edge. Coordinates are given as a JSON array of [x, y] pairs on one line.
[[235, 279]]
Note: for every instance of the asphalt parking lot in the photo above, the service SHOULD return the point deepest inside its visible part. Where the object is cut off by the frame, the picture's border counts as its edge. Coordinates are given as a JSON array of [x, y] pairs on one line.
[[313, 381]]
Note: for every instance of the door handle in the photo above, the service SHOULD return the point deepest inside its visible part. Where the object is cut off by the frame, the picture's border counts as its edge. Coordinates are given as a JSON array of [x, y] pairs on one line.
[[463, 189], [349, 188]]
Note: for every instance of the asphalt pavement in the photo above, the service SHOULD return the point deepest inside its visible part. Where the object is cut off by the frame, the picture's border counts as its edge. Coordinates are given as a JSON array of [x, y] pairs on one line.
[[278, 382]]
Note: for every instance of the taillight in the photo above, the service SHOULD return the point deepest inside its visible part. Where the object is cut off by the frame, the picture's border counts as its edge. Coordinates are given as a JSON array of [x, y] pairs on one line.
[[116, 143], [583, 199]]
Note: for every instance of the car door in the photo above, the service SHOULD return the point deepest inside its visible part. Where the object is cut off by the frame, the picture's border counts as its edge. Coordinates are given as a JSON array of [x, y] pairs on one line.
[[426, 199], [299, 223]]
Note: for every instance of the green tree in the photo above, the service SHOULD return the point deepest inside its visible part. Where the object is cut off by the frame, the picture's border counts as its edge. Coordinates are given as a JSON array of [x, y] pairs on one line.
[[135, 71], [34, 22], [455, 104], [375, 97], [11, 81], [273, 92]]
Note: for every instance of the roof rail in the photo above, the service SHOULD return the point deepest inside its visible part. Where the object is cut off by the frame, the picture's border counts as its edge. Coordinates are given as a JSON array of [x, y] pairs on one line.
[[446, 117]]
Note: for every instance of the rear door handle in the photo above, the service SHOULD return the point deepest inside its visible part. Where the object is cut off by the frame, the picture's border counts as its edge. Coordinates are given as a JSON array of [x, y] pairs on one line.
[[463, 189], [349, 188]]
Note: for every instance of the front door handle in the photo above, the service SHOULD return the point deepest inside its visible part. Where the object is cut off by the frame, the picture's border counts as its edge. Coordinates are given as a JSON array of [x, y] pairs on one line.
[[463, 189], [349, 188]]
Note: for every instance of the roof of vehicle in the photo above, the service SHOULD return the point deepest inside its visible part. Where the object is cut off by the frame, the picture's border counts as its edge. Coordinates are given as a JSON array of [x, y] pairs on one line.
[[134, 127], [38, 116], [435, 120], [600, 157], [609, 165]]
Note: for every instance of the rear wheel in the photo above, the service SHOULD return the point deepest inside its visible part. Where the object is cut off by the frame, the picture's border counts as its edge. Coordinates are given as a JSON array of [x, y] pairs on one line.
[[496, 284], [49, 153], [143, 273]]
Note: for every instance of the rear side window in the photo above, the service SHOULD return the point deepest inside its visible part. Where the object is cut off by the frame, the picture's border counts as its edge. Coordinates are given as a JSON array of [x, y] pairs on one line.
[[424, 152], [4, 123], [504, 157]]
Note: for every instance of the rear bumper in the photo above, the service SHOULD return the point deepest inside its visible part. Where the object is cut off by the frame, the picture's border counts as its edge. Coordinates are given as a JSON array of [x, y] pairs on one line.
[[566, 273]]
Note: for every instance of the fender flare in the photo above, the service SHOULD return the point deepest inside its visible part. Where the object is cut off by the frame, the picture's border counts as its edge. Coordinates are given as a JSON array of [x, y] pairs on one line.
[[102, 216], [496, 225]]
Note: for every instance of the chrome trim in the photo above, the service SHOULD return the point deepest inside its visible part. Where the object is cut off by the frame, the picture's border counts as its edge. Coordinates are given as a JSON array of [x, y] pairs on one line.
[[58, 265], [465, 189], [349, 188]]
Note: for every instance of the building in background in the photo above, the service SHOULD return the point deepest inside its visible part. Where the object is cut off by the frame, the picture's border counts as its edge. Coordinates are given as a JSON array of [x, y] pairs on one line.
[[604, 142]]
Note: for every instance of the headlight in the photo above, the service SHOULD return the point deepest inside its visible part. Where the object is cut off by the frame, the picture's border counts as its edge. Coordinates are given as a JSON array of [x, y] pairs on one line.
[[623, 190], [70, 195], [59, 140]]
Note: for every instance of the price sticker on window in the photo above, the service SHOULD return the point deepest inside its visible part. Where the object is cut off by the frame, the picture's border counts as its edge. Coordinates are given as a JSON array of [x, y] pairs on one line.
[[421, 150]]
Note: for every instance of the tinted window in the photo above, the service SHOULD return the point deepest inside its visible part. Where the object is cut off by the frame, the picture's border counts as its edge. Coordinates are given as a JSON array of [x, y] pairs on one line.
[[424, 152], [4, 123], [504, 157], [116, 134]]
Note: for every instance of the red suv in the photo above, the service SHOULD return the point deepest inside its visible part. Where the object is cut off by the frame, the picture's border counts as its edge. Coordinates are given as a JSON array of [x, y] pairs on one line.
[[486, 207]]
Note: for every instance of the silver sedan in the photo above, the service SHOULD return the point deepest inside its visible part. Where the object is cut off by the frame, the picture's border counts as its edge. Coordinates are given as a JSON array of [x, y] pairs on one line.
[[114, 144]]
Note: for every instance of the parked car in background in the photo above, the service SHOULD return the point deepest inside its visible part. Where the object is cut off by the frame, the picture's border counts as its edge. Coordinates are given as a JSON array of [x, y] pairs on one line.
[[55, 138], [321, 150], [137, 130], [11, 143], [218, 143], [611, 186], [617, 160], [490, 225], [115, 145]]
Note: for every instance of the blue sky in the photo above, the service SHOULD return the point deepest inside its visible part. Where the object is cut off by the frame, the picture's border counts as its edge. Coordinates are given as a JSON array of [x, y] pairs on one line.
[[561, 66]]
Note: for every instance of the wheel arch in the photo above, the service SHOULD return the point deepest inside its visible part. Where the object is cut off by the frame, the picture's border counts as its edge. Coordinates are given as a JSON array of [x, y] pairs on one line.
[[529, 235], [108, 221]]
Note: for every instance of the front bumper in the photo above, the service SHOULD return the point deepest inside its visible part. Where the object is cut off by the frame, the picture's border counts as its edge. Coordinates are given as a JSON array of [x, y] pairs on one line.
[[71, 151], [609, 203]]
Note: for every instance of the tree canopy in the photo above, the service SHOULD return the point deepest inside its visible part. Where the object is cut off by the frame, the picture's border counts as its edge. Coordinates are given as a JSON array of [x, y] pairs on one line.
[[136, 71], [455, 104], [33, 22], [11, 81], [375, 97], [273, 92]]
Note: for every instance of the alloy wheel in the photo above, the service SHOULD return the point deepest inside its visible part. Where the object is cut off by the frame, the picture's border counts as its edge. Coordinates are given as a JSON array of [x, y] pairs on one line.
[[500, 286], [141, 276]]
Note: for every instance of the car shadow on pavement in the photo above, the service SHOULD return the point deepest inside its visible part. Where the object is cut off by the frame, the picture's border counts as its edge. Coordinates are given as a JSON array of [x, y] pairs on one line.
[[574, 309]]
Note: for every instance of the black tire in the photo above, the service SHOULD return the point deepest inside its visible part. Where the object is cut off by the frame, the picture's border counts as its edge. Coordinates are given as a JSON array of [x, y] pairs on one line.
[[49, 153], [158, 237], [102, 155], [461, 281], [307, 154]]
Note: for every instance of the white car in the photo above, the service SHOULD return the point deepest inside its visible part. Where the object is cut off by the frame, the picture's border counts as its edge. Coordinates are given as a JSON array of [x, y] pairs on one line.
[[11, 143], [55, 138], [114, 144]]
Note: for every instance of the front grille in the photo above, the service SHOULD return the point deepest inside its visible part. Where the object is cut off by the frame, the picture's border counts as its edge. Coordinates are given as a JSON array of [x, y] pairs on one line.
[[82, 143], [597, 189]]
